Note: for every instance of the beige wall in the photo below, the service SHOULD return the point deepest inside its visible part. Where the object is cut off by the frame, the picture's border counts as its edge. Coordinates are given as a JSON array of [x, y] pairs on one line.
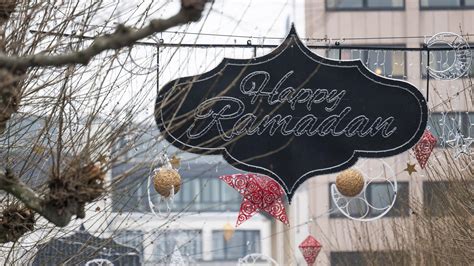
[[409, 22], [412, 21]]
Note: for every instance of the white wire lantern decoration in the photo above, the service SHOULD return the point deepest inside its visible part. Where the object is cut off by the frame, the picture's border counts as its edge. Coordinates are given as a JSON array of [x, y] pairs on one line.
[[455, 130], [177, 258], [168, 200], [99, 262], [367, 210], [257, 259], [455, 62]]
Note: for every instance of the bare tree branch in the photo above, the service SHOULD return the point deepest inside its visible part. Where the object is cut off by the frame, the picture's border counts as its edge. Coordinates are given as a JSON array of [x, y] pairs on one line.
[[122, 37], [68, 195], [25, 194]]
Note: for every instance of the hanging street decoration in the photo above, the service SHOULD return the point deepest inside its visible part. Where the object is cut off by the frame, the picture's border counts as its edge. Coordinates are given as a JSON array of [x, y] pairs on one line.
[[460, 145], [257, 259], [459, 51], [228, 231], [310, 248], [363, 206], [167, 181], [424, 148], [350, 182], [260, 193], [177, 258], [175, 162], [410, 168], [101, 262], [291, 114]]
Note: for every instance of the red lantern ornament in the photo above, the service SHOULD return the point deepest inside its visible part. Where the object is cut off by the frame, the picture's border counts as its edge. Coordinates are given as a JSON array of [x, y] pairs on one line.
[[310, 248], [260, 192], [424, 147]]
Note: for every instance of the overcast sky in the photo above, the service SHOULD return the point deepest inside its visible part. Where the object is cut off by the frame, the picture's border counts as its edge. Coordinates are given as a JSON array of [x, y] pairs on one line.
[[257, 18], [254, 19]]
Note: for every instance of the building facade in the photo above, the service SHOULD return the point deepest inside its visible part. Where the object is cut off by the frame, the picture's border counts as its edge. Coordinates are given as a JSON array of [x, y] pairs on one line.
[[199, 221], [388, 23]]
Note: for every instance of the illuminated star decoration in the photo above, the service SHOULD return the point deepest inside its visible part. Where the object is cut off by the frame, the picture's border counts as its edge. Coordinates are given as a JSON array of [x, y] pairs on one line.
[[260, 193], [410, 168], [460, 145], [424, 148]]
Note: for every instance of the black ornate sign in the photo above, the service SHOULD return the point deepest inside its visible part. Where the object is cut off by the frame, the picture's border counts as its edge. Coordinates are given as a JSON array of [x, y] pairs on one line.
[[291, 114]]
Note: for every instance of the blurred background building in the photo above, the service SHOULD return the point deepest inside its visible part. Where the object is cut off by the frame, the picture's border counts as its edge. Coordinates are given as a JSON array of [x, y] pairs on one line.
[[205, 204], [199, 221]]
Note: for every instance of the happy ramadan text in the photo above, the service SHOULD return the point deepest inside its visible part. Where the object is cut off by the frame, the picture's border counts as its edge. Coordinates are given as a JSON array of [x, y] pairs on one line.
[[254, 86]]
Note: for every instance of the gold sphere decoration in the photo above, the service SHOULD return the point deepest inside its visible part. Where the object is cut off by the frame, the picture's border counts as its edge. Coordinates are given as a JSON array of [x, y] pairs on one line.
[[175, 162], [228, 231], [350, 182], [165, 180]]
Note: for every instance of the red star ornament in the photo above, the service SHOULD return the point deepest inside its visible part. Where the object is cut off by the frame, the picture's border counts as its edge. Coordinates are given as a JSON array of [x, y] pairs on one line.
[[261, 193], [424, 148], [310, 248]]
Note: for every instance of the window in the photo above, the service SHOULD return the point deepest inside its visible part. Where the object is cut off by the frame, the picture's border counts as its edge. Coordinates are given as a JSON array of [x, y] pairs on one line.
[[441, 60], [243, 242], [365, 4], [202, 190], [359, 258], [189, 243], [446, 4], [205, 192], [389, 63], [131, 238], [130, 193], [445, 126], [438, 195], [379, 195]]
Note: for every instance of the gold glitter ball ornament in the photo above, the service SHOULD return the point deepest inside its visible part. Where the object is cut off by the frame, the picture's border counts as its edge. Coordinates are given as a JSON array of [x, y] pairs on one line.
[[175, 162], [165, 180], [350, 182], [228, 231]]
